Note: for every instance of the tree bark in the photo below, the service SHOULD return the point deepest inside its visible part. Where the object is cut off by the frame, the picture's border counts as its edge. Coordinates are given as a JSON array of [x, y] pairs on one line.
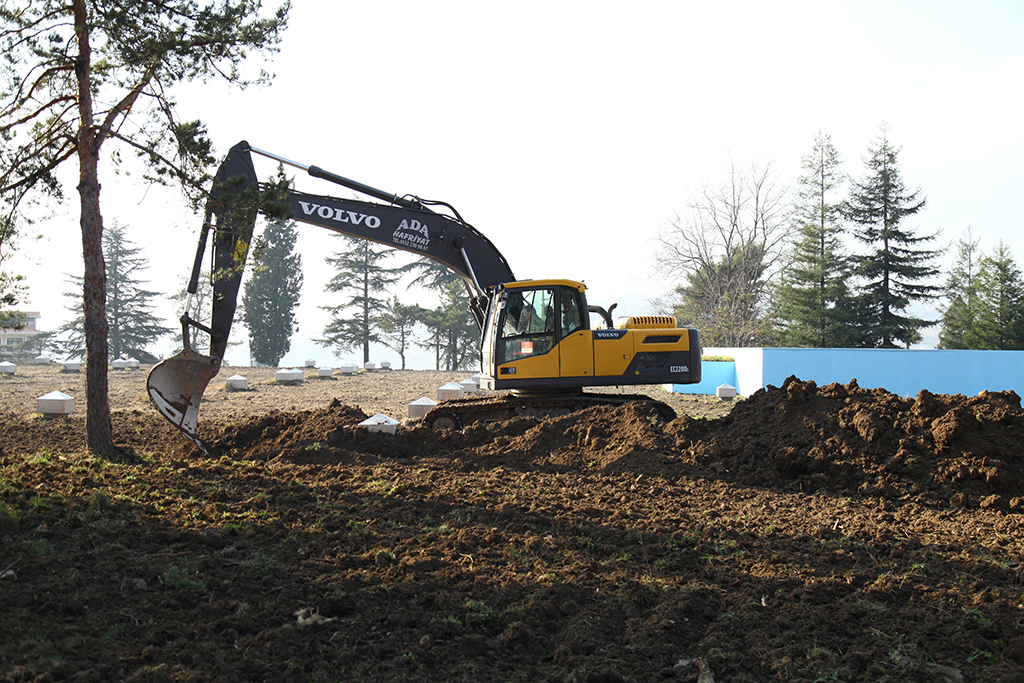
[[99, 431]]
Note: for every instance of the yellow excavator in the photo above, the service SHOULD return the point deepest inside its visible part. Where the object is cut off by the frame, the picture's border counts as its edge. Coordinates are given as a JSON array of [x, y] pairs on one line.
[[536, 335]]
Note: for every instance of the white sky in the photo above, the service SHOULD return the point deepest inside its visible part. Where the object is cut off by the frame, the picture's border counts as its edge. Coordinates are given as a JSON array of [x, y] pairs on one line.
[[570, 133]]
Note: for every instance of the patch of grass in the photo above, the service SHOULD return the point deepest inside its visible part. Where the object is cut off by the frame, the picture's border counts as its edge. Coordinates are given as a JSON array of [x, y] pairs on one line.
[[40, 545], [236, 529], [8, 519], [921, 568], [975, 618], [40, 457], [99, 502], [382, 487], [480, 610], [180, 579], [983, 658], [259, 566]]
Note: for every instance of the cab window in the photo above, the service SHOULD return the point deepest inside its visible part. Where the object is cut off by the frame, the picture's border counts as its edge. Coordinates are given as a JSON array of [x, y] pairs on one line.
[[570, 311], [529, 327]]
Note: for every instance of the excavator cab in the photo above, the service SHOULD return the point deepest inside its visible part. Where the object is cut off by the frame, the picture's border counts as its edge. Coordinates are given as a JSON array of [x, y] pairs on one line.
[[537, 337]]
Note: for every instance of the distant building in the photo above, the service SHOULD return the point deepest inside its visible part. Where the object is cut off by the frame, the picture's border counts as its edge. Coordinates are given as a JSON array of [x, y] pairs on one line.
[[10, 337]]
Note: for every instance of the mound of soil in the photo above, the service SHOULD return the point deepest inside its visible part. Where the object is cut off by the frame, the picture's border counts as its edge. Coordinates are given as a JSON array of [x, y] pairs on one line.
[[810, 533]]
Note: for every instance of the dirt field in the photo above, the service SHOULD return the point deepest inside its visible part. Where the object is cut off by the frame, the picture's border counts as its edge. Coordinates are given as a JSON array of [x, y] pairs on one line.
[[802, 534]]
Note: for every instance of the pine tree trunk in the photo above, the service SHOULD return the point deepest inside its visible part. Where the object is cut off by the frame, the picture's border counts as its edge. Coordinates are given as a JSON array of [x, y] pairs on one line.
[[97, 419], [99, 431]]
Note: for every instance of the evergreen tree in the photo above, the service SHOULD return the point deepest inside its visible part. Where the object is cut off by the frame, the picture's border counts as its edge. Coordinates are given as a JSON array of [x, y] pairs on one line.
[[397, 324], [897, 266], [811, 304], [960, 315], [454, 335], [272, 294], [1000, 323], [356, 322], [131, 324], [78, 74]]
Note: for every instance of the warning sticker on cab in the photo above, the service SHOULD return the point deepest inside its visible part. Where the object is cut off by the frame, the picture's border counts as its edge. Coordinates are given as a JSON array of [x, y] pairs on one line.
[[526, 347]]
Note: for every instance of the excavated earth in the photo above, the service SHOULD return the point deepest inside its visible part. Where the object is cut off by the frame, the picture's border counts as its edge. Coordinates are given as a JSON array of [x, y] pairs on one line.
[[804, 533]]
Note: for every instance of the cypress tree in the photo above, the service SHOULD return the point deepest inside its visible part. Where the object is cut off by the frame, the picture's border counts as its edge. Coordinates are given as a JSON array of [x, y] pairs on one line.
[[272, 294]]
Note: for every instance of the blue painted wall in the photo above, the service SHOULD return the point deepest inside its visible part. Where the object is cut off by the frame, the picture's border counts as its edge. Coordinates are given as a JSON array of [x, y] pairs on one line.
[[901, 371]]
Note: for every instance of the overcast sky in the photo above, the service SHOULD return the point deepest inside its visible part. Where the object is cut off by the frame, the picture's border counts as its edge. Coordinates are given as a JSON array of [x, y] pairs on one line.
[[571, 133]]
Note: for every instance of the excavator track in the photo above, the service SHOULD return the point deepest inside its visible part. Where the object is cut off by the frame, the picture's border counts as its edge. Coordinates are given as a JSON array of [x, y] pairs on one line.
[[459, 413]]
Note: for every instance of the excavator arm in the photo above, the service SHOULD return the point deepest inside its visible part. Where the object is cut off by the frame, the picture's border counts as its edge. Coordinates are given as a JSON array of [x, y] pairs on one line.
[[177, 384]]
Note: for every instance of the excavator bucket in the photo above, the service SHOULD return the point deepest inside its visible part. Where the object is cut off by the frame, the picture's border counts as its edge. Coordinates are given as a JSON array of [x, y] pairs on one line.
[[176, 387]]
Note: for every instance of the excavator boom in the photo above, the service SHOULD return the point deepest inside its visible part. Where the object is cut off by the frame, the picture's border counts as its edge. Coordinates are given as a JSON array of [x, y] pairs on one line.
[[176, 385]]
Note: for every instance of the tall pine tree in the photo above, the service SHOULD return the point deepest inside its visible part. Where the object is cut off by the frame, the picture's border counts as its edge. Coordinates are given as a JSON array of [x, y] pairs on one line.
[[811, 304], [361, 273], [896, 268], [960, 314], [1000, 322], [131, 323], [272, 294]]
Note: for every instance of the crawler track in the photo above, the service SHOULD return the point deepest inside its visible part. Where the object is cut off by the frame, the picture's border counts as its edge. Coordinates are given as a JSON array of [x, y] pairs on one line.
[[461, 412]]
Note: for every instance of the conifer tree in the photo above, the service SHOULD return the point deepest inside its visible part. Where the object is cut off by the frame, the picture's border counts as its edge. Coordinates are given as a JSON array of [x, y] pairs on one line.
[[896, 268], [132, 324], [272, 294], [811, 303], [960, 313], [397, 324], [454, 335], [1000, 322], [361, 273]]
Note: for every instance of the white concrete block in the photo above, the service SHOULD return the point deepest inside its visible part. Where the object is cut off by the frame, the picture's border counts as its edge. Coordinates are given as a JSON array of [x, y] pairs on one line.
[[420, 407], [310, 363], [119, 364], [7, 368], [469, 386], [369, 366], [55, 403], [348, 369], [726, 392], [132, 363], [380, 423], [385, 365], [72, 365], [238, 383], [450, 391], [325, 372], [288, 375], [41, 360]]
